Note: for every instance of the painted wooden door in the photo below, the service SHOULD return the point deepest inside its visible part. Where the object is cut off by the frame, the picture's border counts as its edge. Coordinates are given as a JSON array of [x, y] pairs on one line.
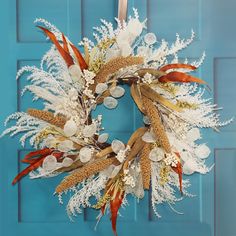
[[30, 207]]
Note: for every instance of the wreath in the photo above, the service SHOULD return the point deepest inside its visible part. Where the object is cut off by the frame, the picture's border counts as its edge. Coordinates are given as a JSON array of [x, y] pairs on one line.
[[67, 138]]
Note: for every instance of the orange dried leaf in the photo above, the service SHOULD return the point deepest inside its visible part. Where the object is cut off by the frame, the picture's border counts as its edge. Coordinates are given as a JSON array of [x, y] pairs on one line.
[[65, 55], [180, 77], [35, 162], [65, 45], [83, 65], [114, 207], [178, 169], [31, 167], [177, 66], [41, 152]]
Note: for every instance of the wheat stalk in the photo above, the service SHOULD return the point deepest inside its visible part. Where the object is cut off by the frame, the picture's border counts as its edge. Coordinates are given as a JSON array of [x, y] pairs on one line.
[[145, 165], [116, 64], [156, 123], [79, 175], [48, 116]]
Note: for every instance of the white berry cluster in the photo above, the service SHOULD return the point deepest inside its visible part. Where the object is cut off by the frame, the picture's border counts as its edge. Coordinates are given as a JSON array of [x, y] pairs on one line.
[[171, 160], [128, 179], [148, 78]]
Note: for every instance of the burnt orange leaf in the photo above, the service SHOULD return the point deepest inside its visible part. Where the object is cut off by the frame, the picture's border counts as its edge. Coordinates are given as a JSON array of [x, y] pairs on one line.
[[178, 169], [114, 207], [83, 65], [180, 77], [65, 45], [28, 169], [29, 157], [30, 161], [57, 154], [65, 55], [35, 162], [177, 66]]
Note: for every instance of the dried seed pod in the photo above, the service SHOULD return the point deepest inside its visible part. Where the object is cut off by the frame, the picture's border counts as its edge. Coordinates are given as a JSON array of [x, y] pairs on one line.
[[116, 64], [85, 154], [150, 38], [83, 173], [89, 130], [110, 102], [156, 154], [149, 137], [156, 124], [48, 116], [49, 163], [105, 93], [67, 162], [103, 96], [117, 145], [145, 165], [102, 138], [70, 128], [101, 88], [75, 73], [117, 92]]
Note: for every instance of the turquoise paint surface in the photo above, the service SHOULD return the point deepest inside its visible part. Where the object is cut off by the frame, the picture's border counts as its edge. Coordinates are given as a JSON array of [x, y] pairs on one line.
[[30, 207]]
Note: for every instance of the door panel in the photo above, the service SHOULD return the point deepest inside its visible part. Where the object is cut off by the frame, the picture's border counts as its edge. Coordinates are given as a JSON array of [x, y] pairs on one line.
[[225, 193], [30, 207]]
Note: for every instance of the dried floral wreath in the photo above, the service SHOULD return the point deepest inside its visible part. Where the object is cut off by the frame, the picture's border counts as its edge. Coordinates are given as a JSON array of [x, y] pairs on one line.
[[69, 140]]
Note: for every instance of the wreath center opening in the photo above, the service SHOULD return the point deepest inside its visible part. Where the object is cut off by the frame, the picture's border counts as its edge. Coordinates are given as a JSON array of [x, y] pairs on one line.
[[120, 116]]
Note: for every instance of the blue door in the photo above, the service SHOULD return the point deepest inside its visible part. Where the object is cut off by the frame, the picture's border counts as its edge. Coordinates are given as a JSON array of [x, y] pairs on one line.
[[30, 208]]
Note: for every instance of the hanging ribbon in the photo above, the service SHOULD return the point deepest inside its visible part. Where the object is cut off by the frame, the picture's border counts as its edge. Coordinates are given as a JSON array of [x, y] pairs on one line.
[[122, 10]]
